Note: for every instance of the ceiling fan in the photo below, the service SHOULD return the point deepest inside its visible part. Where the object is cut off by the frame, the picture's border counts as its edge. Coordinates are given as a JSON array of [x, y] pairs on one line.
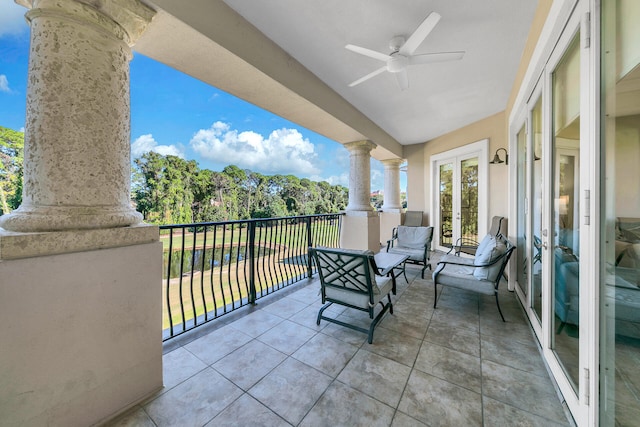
[[401, 55]]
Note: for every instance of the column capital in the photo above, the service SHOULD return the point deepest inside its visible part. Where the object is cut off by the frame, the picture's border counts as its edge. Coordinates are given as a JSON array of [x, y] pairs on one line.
[[364, 146], [126, 19], [391, 163]]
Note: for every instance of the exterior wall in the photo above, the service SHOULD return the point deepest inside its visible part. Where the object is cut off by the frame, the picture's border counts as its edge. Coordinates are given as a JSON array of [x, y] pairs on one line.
[[81, 336], [419, 171]]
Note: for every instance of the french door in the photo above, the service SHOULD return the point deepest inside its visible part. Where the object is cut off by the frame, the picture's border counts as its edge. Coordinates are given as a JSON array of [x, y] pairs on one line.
[[553, 172], [460, 183]]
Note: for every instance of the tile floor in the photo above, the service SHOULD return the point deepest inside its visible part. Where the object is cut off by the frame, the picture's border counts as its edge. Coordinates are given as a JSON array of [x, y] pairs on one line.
[[271, 365]]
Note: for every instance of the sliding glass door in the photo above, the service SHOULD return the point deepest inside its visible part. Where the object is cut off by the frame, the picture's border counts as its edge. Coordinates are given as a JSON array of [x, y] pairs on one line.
[[619, 283]]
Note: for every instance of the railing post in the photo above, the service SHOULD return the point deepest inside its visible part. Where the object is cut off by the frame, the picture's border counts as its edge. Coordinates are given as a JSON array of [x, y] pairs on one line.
[[252, 262], [309, 244]]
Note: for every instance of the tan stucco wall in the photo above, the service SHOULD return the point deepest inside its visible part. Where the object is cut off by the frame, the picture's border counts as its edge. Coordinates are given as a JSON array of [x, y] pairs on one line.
[[532, 39], [82, 335], [419, 170]]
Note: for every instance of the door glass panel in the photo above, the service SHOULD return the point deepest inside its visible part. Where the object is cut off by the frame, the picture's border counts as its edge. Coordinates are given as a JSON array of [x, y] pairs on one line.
[[620, 214], [469, 199], [536, 211], [565, 209], [521, 198], [446, 204]]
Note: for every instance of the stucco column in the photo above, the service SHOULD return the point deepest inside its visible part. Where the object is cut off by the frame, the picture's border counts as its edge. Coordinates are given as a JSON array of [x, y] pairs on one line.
[[392, 184], [361, 225], [391, 215], [359, 175], [77, 164]]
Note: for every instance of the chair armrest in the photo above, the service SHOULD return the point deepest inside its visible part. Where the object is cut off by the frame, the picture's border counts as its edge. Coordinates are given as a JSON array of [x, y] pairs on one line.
[[390, 242], [464, 243]]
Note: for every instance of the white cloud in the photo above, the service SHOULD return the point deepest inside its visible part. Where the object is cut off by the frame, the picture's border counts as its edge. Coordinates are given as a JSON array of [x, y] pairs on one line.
[[342, 179], [283, 151], [146, 143], [12, 21], [4, 84]]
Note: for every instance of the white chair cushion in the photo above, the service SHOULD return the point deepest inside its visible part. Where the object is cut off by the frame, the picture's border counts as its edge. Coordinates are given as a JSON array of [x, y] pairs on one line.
[[412, 237], [381, 288]]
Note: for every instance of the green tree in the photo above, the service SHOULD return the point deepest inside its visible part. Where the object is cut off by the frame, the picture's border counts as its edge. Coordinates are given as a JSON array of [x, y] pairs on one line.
[[11, 160]]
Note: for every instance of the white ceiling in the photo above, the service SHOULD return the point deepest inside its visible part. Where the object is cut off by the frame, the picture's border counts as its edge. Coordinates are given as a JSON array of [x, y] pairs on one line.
[[441, 96], [298, 57]]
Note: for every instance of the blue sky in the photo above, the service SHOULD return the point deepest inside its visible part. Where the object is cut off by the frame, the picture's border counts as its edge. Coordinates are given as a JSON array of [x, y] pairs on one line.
[[173, 113]]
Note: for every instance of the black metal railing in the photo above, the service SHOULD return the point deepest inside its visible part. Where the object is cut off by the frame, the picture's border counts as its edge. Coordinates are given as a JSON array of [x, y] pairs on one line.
[[211, 269]]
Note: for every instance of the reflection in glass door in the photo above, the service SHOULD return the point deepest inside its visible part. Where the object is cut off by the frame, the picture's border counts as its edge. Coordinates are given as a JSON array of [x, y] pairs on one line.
[[537, 233], [522, 267], [565, 210], [620, 215]]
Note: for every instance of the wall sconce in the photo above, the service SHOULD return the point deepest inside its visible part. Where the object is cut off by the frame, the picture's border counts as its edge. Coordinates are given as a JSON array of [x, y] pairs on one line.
[[497, 159]]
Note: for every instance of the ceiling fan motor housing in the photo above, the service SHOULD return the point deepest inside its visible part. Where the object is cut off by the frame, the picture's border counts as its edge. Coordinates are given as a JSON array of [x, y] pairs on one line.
[[397, 63]]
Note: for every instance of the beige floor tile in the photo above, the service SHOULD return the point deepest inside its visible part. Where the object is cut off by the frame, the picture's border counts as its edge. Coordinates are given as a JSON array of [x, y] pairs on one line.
[[136, 417], [436, 402], [379, 377], [193, 402], [326, 354], [457, 317], [498, 414], [256, 323], [308, 317], [425, 367], [214, 346], [342, 333], [178, 365], [291, 389], [413, 325], [249, 364], [521, 389], [404, 420], [343, 406], [287, 336], [286, 307], [247, 411], [504, 350], [465, 340], [396, 346], [450, 365]]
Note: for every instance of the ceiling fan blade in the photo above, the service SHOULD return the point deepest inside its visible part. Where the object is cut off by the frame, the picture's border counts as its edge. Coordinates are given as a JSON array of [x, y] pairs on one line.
[[420, 34], [368, 52], [368, 76], [429, 58], [403, 79]]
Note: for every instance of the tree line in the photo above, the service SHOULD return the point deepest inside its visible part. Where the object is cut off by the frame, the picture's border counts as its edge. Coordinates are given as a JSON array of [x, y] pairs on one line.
[[171, 190]]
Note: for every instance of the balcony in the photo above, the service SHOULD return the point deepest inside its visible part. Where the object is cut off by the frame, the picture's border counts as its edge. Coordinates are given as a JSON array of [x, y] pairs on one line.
[[270, 364]]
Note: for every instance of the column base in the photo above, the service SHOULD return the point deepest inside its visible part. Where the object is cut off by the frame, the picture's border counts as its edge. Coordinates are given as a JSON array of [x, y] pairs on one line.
[[14, 245], [29, 219], [360, 230]]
